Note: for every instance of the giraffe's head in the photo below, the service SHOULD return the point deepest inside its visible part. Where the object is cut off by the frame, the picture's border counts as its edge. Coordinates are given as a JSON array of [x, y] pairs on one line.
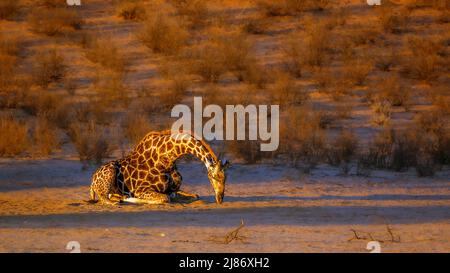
[[217, 177]]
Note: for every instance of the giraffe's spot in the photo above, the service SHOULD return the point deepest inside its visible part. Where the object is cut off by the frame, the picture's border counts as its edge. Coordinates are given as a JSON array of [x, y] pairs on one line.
[[140, 149], [161, 187], [142, 174], [154, 172], [169, 145], [141, 158]]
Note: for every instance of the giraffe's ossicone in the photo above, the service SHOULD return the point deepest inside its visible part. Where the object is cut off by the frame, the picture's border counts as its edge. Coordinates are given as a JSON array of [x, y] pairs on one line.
[[149, 173]]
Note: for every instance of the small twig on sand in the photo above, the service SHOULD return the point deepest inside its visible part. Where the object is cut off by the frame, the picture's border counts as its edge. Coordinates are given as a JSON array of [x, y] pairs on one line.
[[230, 236], [368, 236]]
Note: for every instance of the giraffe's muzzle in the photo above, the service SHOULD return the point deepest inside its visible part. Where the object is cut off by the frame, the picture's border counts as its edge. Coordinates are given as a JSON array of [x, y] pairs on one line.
[[219, 198]]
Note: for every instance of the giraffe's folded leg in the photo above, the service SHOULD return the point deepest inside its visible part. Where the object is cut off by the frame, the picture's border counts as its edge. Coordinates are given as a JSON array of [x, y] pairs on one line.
[[182, 196], [149, 197]]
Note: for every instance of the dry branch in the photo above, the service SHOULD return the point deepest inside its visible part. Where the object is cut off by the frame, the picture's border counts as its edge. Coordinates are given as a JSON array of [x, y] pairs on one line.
[[230, 236], [368, 236]]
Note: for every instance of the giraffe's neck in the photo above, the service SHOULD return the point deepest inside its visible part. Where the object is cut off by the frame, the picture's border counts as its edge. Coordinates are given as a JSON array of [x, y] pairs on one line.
[[188, 144]]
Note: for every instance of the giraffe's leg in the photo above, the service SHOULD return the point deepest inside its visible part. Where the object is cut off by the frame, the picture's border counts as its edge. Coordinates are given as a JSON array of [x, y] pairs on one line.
[[104, 184], [92, 195], [176, 193], [149, 196]]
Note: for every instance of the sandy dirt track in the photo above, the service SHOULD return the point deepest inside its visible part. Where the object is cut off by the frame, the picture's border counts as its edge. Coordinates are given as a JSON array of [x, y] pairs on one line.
[[42, 208]]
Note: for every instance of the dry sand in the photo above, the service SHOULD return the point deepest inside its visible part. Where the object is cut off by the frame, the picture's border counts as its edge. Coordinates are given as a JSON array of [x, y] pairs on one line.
[[42, 208]]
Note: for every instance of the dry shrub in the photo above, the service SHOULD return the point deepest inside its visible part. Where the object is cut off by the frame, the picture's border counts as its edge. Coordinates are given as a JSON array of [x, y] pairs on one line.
[[83, 112], [14, 138], [393, 90], [8, 8], [402, 149], [317, 44], [71, 86], [54, 21], [332, 83], [291, 7], [393, 20], [444, 16], [440, 98], [343, 150], [131, 10], [7, 72], [175, 92], [303, 141], [382, 112], [256, 26], [52, 3], [385, 60], [239, 59], [163, 34], [380, 149], [365, 35], [285, 91], [48, 67], [104, 52], [208, 61], [437, 4], [312, 50], [9, 49], [45, 138], [432, 121], [247, 150], [356, 71], [9, 45], [343, 110], [196, 12], [91, 142], [110, 89], [41, 103], [422, 61], [434, 150], [135, 126], [237, 54]]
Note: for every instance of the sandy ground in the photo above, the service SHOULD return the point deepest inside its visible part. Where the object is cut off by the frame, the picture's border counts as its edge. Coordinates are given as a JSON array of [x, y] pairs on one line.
[[42, 208]]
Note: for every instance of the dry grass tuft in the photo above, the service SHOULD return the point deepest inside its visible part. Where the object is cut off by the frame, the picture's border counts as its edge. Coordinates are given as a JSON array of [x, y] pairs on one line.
[[423, 61], [91, 142], [302, 139], [45, 138], [196, 12], [286, 92], [134, 126], [48, 67], [131, 10], [393, 90], [54, 21], [291, 7], [104, 52], [343, 150], [8, 8], [163, 34], [14, 138], [394, 20]]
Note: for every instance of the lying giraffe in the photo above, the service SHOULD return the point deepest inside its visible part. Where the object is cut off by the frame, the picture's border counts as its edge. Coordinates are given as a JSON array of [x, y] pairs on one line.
[[149, 173]]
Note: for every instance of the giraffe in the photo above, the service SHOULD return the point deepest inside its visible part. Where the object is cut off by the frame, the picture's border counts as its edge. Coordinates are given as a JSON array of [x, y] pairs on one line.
[[149, 173]]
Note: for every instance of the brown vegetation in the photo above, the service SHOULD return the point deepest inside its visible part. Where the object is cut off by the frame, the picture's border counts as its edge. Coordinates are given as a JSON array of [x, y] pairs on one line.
[[14, 138], [54, 21]]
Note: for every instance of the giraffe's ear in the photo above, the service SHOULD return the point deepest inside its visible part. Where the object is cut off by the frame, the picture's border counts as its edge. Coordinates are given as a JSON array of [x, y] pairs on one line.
[[225, 164]]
